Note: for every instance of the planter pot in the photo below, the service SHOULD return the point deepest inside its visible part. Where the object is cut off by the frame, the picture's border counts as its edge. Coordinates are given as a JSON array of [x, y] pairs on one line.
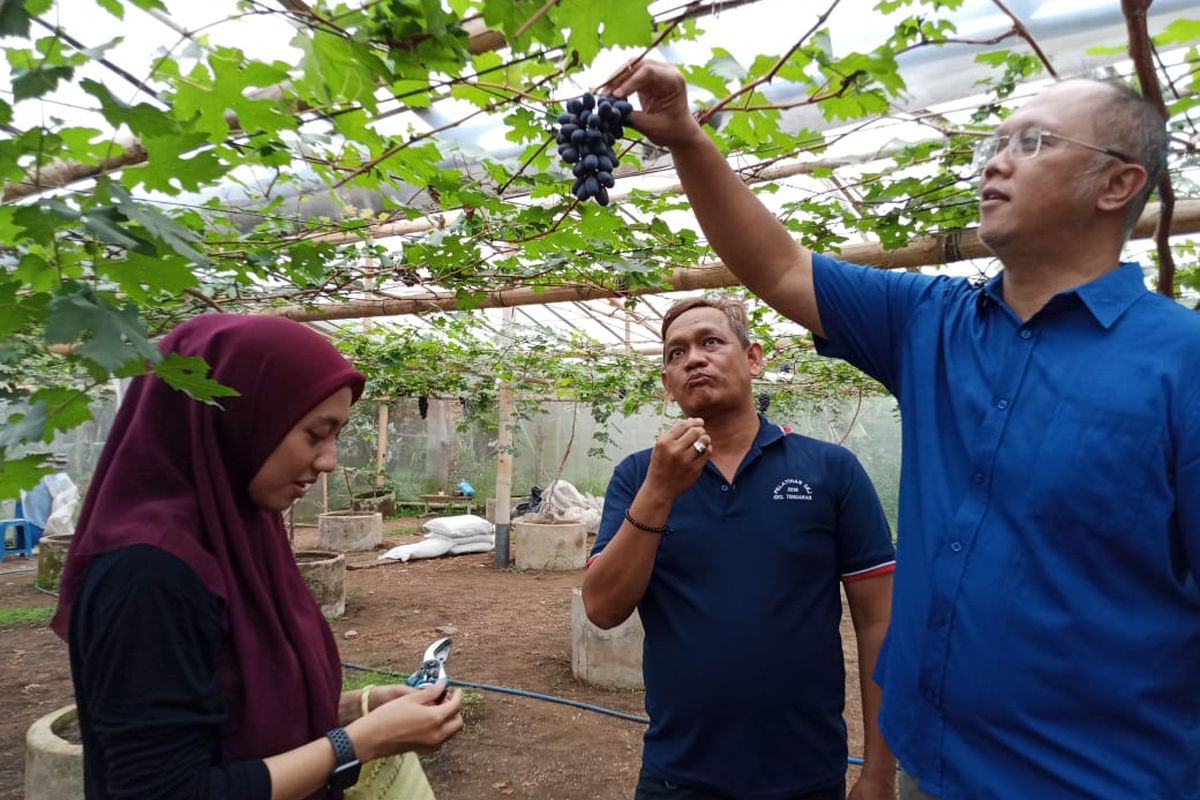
[[382, 501], [53, 766], [349, 531], [550, 546], [324, 573], [52, 552], [610, 658]]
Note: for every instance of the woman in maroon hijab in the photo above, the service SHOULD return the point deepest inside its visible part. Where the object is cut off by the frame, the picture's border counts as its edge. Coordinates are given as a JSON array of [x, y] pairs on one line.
[[202, 665]]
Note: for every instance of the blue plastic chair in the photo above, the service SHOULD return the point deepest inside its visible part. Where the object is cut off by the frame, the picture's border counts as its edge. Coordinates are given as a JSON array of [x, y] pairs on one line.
[[25, 534]]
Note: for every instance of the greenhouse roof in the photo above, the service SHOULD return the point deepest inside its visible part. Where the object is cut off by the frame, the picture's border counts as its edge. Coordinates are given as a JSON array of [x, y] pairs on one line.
[[151, 53]]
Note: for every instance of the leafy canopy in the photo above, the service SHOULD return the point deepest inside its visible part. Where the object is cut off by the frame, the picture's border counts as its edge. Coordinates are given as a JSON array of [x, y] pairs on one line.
[[246, 180]]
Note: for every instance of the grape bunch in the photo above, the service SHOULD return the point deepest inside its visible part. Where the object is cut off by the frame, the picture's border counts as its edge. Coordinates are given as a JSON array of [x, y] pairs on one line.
[[589, 128]]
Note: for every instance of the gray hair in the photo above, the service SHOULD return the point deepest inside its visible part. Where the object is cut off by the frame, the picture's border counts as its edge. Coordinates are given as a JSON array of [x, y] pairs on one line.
[[1133, 125]]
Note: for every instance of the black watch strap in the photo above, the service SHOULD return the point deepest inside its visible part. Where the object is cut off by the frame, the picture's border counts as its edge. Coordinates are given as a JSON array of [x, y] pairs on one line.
[[346, 769]]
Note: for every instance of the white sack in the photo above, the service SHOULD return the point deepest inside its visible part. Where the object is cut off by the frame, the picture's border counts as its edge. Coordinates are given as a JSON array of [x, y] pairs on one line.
[[483, 537], [458, 527], [472, 547], [429, 547]]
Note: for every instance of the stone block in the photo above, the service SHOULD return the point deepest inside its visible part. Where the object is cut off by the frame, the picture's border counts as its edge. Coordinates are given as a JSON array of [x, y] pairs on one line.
[[550, 546], [610, 658]]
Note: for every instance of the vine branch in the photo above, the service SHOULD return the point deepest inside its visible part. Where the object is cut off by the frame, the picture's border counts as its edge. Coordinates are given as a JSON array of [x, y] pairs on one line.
[[1024, 33], [1143, 62]]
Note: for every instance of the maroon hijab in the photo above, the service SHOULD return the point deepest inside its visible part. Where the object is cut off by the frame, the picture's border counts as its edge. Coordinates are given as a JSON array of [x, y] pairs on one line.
[[175, 474]]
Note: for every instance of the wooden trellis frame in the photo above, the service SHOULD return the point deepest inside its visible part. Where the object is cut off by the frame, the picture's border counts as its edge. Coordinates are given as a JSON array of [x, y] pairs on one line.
[[923, 252]]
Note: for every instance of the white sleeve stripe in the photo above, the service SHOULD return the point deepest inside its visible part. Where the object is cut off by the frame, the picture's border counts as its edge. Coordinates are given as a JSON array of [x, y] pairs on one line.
[[880, 565]]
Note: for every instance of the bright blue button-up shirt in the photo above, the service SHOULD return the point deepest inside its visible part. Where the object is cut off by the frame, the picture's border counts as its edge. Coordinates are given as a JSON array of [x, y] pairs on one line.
[[1045, 636]]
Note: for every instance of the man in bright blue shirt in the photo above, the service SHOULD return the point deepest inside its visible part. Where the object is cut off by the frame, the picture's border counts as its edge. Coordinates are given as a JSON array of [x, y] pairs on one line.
[[1045, 639], [731, 538]]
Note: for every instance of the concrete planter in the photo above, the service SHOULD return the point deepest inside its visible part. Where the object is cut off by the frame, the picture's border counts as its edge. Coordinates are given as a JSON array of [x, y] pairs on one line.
[[349, 531], [609, 658], [324, 573], [382, 501], [53, 766], [550, 546], [52, 553]]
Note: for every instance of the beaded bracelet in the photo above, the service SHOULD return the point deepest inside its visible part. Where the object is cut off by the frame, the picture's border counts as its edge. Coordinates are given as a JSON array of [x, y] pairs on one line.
[[649, 529]]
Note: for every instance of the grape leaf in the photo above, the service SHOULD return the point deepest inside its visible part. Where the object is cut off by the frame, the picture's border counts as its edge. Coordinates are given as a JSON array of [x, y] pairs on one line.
[[113, 7], [143, 119], [14, 19], [27, 427], [16, 308], [1180, 31], [105, 221], [337, 68], [21, 473], [110, 336], [181, 239], [190, 374], [65, 408], [39, 80], [144, 278]]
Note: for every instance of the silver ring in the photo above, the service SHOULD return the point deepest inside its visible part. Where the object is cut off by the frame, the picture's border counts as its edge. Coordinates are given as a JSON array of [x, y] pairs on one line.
[[699, 447]]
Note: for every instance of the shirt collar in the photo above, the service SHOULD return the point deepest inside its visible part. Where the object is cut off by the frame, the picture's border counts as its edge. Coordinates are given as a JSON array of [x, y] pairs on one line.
[[768, 432], [992, 291], [1110, 295], [1107, 297]]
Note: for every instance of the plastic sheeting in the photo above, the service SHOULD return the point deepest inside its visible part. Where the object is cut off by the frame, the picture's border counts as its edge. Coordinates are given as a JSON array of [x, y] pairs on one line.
[[51, 504], [562, 502]]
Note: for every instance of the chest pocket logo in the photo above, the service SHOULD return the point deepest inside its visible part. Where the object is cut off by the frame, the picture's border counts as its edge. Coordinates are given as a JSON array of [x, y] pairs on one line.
[[792, 489]]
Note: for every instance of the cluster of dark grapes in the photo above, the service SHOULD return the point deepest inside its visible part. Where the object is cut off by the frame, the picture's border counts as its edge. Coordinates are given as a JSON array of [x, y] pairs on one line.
[[589, 128]]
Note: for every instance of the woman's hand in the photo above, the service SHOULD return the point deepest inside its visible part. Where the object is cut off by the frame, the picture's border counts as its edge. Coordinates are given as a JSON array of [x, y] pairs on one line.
[[383, 694], [408, 719]]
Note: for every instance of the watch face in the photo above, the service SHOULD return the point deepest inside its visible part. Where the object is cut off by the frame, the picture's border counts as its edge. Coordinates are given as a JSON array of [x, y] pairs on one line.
[[345, 775]]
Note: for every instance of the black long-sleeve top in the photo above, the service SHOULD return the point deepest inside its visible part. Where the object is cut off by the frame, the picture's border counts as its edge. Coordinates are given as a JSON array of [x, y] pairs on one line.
[[144, 638]]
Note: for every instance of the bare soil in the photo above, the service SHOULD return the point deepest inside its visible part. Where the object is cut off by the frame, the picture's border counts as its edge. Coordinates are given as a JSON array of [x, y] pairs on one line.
[[509, 628]]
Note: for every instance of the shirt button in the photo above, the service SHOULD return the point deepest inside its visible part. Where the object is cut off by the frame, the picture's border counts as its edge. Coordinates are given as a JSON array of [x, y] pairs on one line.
[[956, 546], [1001, 404], [1026, 334], [724, 488], [977, 477]]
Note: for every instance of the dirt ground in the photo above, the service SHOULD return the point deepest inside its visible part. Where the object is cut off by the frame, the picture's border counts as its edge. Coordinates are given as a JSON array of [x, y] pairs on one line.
[[510, 629]]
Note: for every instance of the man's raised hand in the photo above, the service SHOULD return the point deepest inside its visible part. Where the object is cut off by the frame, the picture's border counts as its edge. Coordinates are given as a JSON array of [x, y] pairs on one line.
[[664, 118]]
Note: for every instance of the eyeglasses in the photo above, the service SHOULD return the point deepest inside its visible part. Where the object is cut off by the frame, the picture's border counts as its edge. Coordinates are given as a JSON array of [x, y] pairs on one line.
[[1026, 144]]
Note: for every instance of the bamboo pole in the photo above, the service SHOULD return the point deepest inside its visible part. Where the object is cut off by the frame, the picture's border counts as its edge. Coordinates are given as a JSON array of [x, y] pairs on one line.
[[504, 464], [381, 449], [925, 251]]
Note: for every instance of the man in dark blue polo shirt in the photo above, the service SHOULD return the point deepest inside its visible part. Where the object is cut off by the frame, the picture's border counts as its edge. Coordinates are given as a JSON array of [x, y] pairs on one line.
[[731, 538], [1045, 638]]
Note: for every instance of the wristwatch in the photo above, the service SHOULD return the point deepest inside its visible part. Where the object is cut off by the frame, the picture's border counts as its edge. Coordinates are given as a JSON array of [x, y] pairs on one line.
[[345, 771]]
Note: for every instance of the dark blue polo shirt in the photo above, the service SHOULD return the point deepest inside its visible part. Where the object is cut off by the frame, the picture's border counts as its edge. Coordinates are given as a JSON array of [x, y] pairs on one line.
[[743, 657], [1045, 637]]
